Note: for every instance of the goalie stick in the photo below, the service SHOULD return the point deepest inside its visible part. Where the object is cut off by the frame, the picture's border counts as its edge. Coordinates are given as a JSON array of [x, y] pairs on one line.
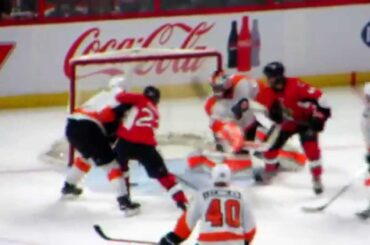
[[334, 197], [186, 182], [100, 232]]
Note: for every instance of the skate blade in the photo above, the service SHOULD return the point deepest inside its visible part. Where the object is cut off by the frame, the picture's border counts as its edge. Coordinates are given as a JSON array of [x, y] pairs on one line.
[[69, 197], [363, 216], [131, 212]]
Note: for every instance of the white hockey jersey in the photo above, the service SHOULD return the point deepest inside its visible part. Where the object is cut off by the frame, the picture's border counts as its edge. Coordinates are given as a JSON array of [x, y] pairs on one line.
[[95, 109], [224, 214]]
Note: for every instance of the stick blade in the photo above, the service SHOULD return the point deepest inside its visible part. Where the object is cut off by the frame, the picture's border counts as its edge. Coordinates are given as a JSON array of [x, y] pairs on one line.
[[100, 232], [313, 209]]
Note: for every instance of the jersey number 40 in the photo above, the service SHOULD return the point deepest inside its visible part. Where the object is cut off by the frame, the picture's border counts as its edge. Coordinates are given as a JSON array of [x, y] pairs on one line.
[[229, 213]]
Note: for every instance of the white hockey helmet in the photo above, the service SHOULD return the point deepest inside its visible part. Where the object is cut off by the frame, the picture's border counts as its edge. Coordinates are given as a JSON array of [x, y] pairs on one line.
[[221, 173], [118, 82]]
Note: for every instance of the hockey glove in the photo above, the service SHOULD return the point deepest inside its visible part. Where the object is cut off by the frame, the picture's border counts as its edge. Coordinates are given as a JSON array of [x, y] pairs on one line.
[[240, 107], [170, 239], [276, 112], [317, 121]]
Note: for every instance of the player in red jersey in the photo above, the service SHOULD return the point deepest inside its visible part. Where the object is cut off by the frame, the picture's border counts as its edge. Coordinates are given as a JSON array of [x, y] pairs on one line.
[[297, 108], [137, 140]]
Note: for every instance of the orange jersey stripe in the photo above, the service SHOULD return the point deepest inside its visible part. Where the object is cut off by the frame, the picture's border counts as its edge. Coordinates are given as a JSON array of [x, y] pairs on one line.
[[219, 236], [249, 236], [82, 165], [92, 114], [107, 115], [238, 164], [194, 161], [182, 229], [114, 174], [209, 105]]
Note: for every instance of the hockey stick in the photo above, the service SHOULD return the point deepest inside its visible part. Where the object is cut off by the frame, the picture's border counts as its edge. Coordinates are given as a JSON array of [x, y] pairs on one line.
[[335, 197], [100, 232], [186, 182]]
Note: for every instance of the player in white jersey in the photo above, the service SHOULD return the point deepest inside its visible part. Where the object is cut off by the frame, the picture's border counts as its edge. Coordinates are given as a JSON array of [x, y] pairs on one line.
[[223, 211], [233, 121], [89, 130], [366, 133]]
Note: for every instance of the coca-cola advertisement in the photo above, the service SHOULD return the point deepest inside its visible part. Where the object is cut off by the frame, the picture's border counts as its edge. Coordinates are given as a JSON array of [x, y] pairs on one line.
[[243, 48], [90, 42]]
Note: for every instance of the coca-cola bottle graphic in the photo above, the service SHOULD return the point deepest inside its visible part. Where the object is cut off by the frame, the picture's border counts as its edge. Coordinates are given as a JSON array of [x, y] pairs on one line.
[[244, 47], [231, 46], [256, 44]]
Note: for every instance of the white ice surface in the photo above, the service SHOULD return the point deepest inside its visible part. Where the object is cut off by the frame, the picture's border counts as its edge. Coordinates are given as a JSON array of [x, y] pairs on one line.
[[31, 211]]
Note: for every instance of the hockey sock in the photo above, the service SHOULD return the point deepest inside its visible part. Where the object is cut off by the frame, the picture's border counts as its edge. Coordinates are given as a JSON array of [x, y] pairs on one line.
[[316, 169], [271, 161], [173, 188], [115, 177], [126, 178], [79, 169]]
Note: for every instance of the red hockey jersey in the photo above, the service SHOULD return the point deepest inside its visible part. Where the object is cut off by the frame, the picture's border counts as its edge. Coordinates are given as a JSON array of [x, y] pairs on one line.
[[141, 120], [298, 100]]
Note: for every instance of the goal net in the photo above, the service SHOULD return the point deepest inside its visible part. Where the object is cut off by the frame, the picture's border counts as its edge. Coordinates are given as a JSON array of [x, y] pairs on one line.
[[182, 76]]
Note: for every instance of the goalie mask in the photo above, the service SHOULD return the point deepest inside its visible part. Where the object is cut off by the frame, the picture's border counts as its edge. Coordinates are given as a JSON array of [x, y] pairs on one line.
[[220, 83]]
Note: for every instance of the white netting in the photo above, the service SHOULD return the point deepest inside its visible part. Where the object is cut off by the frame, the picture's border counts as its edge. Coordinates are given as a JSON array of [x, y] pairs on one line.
[[178, 73]]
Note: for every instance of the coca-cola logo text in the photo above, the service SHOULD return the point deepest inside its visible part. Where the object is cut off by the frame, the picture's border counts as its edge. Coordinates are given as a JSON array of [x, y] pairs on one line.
[[90, 42]]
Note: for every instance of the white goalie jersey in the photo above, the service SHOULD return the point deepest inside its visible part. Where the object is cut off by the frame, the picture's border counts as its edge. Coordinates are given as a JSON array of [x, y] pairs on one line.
[[219, 108], [224, 214]]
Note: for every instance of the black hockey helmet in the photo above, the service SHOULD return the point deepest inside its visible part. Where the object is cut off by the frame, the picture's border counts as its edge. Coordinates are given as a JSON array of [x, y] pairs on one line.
[[274, 72], [274, 69], [152, 93]]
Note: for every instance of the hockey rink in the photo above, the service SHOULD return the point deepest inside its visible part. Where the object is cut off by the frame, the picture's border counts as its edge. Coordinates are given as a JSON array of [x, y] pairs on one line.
[[31, 211]]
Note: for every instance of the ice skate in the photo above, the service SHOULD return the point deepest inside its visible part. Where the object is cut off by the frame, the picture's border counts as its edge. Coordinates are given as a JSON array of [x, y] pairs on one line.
[[365, 214], [71, 190], [317, 186], [130, 208]]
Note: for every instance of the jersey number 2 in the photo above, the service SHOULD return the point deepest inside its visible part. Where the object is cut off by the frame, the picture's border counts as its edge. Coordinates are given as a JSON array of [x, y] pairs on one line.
[[231, 213], [147, 119]]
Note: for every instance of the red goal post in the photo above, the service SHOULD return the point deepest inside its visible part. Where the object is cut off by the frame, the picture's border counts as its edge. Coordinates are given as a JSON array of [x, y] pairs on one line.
[[141, 67]]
